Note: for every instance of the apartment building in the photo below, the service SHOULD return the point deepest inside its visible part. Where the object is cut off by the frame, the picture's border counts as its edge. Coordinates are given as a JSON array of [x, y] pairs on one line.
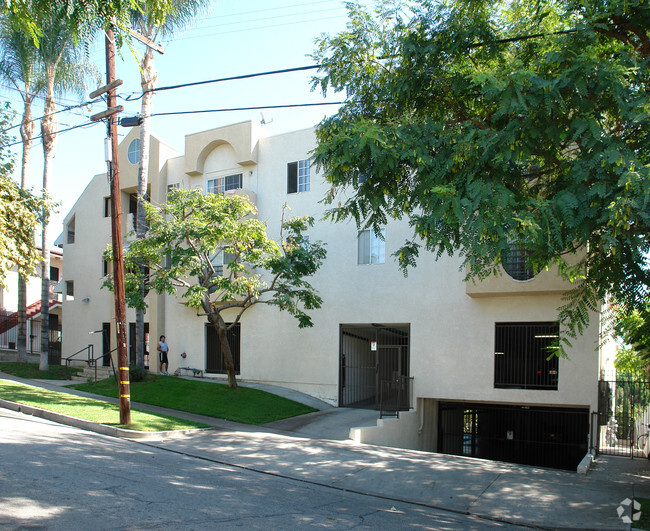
[[453, 367]]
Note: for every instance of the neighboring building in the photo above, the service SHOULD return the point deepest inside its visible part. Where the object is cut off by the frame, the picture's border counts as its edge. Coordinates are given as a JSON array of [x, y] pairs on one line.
[[468, 359], [9, 310]]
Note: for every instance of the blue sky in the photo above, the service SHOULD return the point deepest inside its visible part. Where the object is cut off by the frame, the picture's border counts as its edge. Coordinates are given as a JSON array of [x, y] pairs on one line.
[[235, 38]]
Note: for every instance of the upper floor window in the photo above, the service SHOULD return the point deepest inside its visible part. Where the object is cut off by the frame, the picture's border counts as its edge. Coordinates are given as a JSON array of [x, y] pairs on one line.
[[70, 228], [107, 207], [298, 176], [69, 290], [523, 355], [133, 152], [223, 184], [171, 187], [371, 248], [515, 262], [54, 274], [221, 260]]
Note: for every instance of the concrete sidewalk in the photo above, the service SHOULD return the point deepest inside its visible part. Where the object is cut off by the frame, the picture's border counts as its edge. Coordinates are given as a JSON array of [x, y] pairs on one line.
[[518, 494]]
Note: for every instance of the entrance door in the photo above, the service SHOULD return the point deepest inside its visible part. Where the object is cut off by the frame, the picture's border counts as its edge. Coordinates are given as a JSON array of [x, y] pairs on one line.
[[106, 344], [374, 366]]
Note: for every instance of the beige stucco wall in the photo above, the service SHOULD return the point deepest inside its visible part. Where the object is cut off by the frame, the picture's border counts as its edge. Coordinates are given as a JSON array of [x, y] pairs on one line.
[[451, 324], [93, 305]]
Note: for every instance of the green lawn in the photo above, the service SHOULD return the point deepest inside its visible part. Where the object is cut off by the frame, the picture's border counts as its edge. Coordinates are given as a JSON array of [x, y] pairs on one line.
[[644, 521], [246, 405], [89, 409], [30, 371]]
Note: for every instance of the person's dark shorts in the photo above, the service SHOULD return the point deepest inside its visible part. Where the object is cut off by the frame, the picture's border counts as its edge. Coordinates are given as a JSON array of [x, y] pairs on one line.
[[163, 357]]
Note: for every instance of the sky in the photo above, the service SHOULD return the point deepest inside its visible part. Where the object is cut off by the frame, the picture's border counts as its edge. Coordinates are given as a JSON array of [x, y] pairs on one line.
[[234, 38]]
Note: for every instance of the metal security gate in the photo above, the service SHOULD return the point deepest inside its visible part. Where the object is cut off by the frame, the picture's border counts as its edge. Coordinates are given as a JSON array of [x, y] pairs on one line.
[[374, 366], [532, 435], [623, 415]]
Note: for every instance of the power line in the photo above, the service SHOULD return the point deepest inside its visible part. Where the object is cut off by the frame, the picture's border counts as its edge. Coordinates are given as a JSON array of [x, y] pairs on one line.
[[258, 108], [58, 132], [66, 109], [222, 79]]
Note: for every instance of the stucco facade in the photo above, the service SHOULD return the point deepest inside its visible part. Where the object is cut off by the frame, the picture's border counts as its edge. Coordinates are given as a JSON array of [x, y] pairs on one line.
[[449, 325]]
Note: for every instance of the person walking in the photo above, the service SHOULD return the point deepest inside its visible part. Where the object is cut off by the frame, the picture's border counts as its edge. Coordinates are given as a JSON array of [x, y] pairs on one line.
[[163, 351]]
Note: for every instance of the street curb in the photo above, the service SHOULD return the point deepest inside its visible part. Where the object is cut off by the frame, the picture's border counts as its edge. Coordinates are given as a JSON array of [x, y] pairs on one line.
[[88, 425]]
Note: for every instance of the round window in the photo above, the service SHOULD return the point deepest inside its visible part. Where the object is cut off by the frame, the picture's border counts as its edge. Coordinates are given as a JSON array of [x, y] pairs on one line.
[[134, 151], [515, 262]]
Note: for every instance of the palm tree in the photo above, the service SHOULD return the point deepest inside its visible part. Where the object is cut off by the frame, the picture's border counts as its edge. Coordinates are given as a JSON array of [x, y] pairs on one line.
[[151, 24], [19, 67], [65, 70]]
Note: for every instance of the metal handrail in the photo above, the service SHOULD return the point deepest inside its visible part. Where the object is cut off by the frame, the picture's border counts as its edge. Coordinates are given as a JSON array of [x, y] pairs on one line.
[[93, 362], [88, 349]]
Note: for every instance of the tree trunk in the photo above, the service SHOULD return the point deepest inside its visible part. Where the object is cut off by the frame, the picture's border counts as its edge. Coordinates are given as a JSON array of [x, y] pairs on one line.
[[220, 327], [148, 82], [48, 132], [27, 134]]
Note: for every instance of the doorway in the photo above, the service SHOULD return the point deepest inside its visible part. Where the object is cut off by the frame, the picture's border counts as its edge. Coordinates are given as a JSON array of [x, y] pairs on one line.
[[374, 366]]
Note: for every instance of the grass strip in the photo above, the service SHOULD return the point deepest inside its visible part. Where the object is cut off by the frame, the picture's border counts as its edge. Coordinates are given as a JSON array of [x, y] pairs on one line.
[[31, 371], [90, 409], [644, 521], [245, 405]]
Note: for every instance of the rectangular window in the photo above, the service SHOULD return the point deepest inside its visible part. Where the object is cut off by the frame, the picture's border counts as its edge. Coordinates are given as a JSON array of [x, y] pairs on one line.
[[371, 248], [220, 260], [54, 274], [107, 268], [298, 176], [520, 355], [70, 231], [174, 186], [223, 184], [107, 207], [69, 290]]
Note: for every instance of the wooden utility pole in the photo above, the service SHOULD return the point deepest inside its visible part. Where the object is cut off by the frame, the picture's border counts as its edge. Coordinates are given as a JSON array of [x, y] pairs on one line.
[[116, 230]]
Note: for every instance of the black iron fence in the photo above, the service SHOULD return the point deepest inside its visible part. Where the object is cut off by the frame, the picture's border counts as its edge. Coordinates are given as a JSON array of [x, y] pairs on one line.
[[623, 415], [9, 339]]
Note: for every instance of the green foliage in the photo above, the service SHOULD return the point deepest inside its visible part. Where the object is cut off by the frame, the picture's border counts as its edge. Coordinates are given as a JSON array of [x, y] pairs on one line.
[[632, 327], [487, 122], [20, 215], [192, 235], [137, 373]]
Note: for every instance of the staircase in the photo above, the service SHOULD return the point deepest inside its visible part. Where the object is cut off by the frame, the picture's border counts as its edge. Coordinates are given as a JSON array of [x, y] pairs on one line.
[[88, 374], [33, 309]]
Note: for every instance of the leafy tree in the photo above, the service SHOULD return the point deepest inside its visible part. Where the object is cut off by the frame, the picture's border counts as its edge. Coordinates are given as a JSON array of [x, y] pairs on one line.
[[65, 70], [19, 214], [20, 68], [193, 234], [148, 22], [487, 123], [632, 327]]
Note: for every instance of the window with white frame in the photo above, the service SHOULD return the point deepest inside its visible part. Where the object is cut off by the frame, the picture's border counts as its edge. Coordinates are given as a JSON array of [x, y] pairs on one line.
[[298, 176], [371, 247], [220, 260], [223, 184]]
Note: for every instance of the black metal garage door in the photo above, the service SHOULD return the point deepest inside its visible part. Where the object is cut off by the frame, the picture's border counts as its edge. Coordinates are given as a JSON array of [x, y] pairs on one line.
[[541, 436]]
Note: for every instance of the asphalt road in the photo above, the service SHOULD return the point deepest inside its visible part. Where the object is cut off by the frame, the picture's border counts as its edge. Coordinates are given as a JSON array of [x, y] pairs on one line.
[[58, 477]]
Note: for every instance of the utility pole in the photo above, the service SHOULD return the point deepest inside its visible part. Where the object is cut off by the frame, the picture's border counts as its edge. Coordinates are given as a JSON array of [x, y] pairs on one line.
[[116, 226]]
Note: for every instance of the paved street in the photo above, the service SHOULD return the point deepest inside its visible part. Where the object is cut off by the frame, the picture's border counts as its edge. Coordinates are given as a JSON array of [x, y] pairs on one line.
[[59, 477]]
